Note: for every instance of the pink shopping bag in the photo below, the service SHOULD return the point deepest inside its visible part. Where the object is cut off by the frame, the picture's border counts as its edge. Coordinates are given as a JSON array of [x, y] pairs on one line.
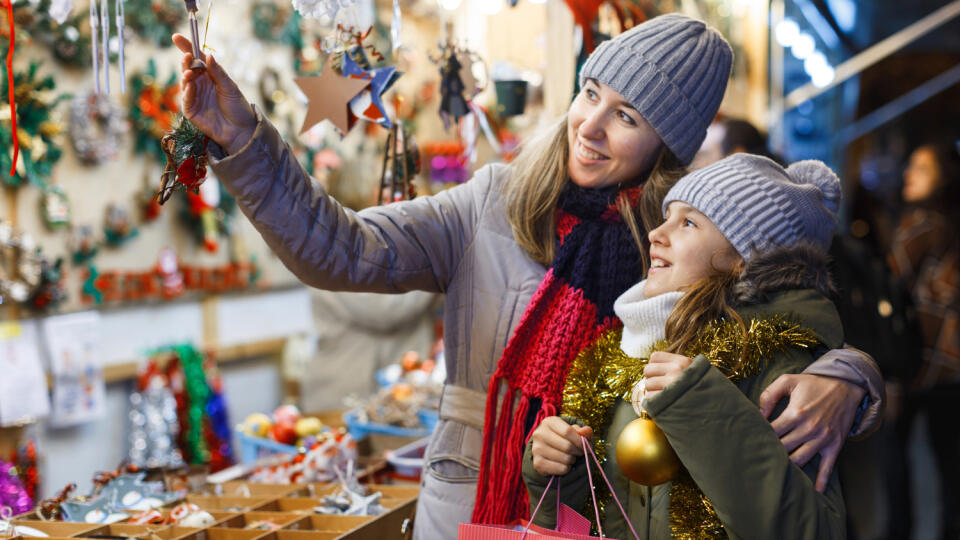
[[570, 524]]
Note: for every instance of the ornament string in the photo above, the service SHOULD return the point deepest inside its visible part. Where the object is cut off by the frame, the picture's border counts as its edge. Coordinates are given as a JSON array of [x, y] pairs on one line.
[[94, 43], [120, 20], [105, 28], [13, 100]]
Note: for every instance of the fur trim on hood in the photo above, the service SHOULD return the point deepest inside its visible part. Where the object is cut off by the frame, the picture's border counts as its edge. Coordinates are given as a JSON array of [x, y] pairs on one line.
[[780, 269]]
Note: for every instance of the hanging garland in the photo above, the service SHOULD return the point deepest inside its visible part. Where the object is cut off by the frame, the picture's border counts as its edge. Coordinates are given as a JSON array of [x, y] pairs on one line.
[[155, 20], [204, 427], [153, 107], [97, 127], [36, 126]]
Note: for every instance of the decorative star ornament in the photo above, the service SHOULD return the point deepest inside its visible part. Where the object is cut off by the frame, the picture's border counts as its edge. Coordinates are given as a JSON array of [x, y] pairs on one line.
[[368, 105], [329, 95]]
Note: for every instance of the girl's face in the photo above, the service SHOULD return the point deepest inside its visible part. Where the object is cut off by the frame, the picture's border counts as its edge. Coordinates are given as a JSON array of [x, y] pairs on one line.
[[610, 143], [686, 248], [922, 177]]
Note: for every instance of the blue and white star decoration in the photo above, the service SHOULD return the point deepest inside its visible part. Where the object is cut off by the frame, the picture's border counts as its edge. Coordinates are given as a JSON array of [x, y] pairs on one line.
[[368, 104]]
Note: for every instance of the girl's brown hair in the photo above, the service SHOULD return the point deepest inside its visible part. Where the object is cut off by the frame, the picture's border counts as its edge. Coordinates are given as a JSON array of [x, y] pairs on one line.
[[538, 175], [706, 301]]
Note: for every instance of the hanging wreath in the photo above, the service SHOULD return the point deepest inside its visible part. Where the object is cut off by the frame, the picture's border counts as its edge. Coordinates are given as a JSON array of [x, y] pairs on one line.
[[276, 23], [97, 127], [153, 107], [27, 277], [155, 20], [37, 127]]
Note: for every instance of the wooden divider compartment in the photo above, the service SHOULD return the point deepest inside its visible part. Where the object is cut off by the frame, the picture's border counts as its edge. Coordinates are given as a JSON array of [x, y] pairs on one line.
[[238, 488], [223, 533], [307, 535], [284, 520], [335, 523], [58, 528], [145, 532], [389, 491], [212, 503]]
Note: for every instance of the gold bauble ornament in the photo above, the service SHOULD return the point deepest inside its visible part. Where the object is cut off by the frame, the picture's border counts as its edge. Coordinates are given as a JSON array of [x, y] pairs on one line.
[[644, 453]]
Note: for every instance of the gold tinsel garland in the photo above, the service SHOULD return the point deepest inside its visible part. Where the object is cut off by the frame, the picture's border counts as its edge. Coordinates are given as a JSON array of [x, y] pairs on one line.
[[603, 373]]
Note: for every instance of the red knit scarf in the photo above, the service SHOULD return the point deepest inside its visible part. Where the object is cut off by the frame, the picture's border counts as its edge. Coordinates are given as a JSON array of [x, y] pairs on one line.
[[597, 259]]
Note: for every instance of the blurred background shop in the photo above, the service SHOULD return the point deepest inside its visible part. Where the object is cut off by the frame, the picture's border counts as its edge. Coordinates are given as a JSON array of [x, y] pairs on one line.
[[169, 335]]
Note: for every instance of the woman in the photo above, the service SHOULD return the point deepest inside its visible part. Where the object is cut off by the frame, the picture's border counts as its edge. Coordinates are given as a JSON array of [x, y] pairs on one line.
[[925, 254], [685, 332], [647, 98]]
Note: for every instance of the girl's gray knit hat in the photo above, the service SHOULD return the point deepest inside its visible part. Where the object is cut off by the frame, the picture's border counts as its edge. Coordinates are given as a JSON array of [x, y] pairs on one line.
[[758, 205], [673, 70]]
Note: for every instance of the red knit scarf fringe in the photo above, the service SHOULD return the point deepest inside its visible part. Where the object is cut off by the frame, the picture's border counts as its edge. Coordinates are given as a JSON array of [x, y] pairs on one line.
[[535, 364]]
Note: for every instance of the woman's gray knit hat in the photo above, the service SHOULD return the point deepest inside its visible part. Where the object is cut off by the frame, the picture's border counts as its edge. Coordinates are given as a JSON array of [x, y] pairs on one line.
[[758, 205], [673, 70]]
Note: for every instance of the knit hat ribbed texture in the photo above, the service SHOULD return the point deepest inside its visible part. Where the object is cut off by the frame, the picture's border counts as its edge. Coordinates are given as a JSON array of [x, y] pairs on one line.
[[673, 70], [758, 205]]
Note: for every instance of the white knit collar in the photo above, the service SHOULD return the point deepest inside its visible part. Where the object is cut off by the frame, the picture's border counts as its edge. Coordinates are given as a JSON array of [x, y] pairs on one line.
[[643, 318]]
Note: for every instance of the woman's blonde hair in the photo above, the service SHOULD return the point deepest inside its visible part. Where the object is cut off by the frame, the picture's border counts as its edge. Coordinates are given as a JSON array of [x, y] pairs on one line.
[[540, 172]]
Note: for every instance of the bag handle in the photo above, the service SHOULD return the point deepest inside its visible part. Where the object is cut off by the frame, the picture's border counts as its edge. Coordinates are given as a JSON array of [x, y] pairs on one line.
[[587, 449]]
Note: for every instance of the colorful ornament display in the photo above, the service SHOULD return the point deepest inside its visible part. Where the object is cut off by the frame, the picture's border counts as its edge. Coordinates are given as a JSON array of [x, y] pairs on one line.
[[50, 23], [13, 494], [153, 107], [186, 151], [156, 20], [319, 460], [153, 421], [98, 128], [118, 228], [276, 23], [37, 146]]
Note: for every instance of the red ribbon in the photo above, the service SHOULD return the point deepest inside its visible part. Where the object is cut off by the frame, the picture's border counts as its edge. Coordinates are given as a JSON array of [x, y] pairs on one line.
[[13, 106]]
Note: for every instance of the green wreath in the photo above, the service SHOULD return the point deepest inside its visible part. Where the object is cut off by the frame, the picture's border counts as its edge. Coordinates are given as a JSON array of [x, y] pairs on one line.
[[38, 130]]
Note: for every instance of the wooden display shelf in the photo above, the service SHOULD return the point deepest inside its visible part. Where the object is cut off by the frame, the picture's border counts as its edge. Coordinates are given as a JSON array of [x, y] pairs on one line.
[[271, 347]]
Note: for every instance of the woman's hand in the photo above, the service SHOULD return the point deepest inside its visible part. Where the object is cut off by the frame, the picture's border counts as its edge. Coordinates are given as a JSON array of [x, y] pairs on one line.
[[817, 419], [555, 445], [662, 369], [213, 102]]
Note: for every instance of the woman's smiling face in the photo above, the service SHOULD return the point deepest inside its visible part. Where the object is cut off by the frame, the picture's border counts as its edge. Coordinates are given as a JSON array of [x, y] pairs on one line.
[[610, 143], [686, 248]]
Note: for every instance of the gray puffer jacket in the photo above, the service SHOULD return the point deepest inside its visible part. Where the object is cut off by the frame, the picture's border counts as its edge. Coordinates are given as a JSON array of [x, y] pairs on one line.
[[457, 242]]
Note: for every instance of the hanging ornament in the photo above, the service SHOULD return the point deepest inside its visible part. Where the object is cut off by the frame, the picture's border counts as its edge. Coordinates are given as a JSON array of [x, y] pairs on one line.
[[329, 95], [50, 293], [156, 20], [82, 244], [396, 25], [55, 207], [186, 151], [97, 128], [324, 10], [453, 104], [368, 104], [207, 213], [31, 155], [117, 226], [643, 452], [171, 278], [153, 108], [120, 17], [198, 63], [21, 265], [60, 10]]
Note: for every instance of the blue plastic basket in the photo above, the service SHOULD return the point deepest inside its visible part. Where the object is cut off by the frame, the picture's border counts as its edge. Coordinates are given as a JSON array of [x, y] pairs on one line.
[[359, 430], [254, 448]]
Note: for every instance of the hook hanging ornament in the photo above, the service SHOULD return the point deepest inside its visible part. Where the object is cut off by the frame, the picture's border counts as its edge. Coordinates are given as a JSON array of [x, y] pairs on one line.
[[198, 63], [643, 451]]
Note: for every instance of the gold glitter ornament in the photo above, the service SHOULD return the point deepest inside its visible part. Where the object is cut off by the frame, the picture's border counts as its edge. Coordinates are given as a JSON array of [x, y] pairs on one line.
[[644, 454]]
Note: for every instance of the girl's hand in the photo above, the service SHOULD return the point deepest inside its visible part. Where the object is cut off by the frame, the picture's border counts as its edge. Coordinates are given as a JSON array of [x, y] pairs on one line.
[[213, 102], [818, 417], [555, 445], [662, 369]]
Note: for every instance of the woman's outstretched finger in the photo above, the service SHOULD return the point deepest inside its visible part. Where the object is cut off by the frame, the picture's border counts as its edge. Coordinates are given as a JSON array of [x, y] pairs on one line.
[[183, 43]]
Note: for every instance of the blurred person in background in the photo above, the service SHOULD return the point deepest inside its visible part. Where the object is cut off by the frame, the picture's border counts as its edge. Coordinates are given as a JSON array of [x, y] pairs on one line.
[[925, 255]]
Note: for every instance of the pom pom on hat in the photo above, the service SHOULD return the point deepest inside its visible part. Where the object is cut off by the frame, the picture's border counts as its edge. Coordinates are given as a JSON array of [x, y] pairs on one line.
[[815, 172]]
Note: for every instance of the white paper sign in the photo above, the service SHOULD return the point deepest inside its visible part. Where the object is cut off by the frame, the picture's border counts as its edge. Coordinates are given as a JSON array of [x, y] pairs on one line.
[[23, 385], [73, 343]]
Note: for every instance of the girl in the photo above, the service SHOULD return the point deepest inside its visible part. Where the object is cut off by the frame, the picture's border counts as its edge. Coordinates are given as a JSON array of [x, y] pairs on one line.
[[552, 238], [743, 247]]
